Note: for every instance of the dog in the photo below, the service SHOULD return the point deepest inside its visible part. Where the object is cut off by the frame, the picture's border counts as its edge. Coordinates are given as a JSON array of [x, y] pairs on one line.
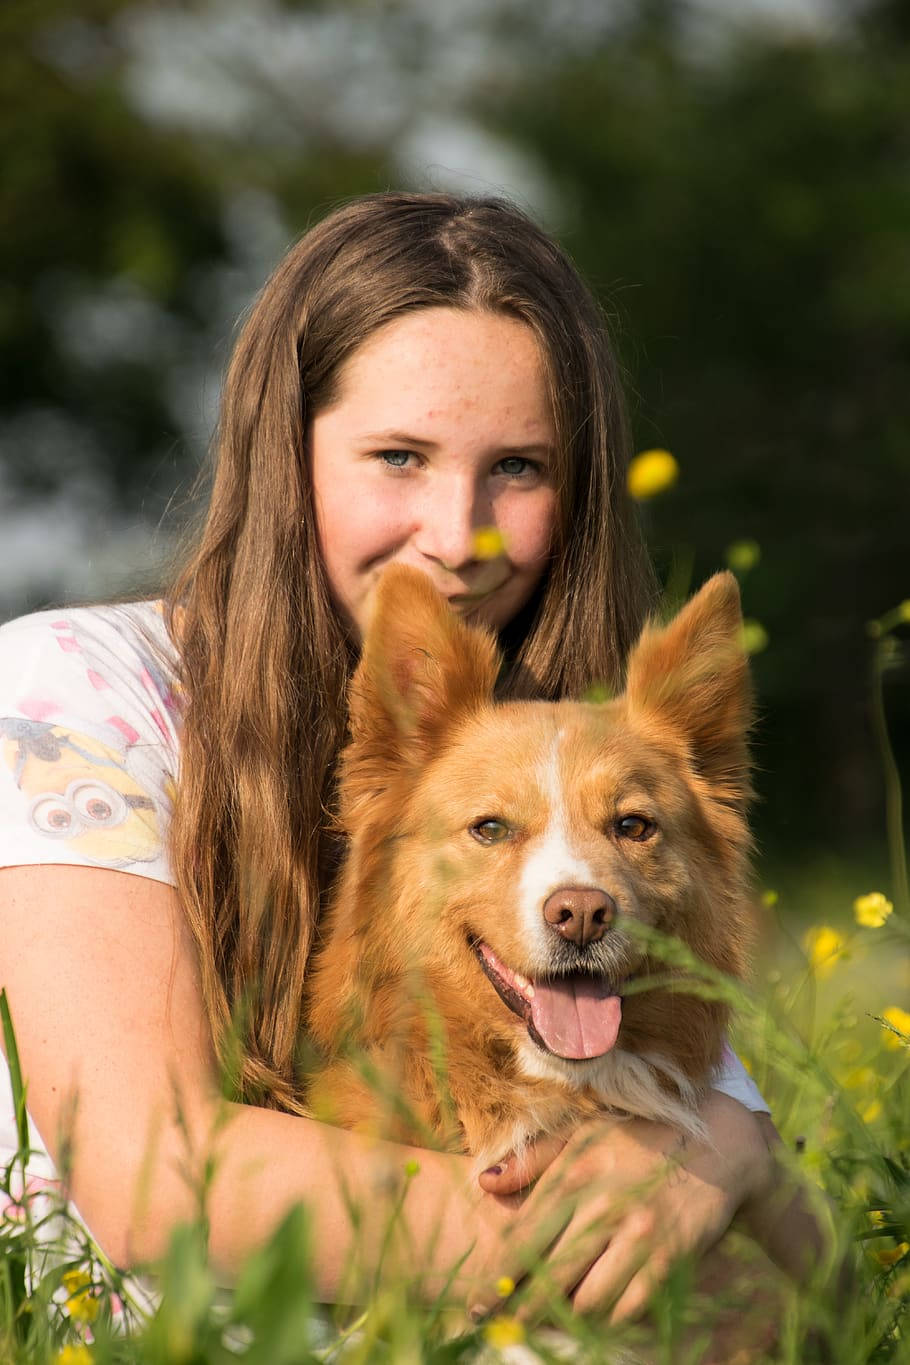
[[478, 980]]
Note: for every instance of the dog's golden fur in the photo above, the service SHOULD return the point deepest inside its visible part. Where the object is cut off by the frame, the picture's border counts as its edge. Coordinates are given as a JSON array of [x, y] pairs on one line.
[[431, 754]]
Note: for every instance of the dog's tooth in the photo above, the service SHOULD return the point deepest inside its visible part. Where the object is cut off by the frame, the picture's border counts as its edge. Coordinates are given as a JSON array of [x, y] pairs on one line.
[[523, 985]]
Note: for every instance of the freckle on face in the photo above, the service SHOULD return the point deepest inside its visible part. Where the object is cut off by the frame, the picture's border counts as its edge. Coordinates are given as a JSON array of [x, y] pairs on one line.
[[469, 386]]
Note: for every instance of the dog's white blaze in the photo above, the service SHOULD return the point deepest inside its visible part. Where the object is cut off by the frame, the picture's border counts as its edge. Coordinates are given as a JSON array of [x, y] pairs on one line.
[[551, 862]]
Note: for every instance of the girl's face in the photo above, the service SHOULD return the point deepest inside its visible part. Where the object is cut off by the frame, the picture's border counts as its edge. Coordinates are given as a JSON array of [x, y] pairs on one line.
[[441, 427]]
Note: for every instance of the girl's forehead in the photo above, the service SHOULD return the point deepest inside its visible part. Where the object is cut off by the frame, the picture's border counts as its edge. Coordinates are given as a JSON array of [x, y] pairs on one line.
[[444, 355]]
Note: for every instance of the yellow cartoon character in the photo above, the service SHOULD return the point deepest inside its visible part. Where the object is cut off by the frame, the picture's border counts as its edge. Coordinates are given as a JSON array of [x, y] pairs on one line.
[[81, 791]]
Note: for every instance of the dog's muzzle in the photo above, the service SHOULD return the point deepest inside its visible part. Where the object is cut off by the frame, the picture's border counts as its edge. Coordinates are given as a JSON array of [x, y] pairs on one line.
[[575, 1016]]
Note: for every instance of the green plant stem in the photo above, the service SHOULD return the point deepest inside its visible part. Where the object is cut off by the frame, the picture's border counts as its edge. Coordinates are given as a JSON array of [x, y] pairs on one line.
[[894, 818]]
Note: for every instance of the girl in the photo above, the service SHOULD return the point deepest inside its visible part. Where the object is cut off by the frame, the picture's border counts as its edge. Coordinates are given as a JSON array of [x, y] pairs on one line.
[[418, 368]]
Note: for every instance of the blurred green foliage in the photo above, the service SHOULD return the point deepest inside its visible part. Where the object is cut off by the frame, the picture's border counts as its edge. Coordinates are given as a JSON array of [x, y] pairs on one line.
[[737, 195]]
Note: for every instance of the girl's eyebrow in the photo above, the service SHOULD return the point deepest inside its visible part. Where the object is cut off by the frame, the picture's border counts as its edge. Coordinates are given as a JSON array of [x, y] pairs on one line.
[[404, 438]]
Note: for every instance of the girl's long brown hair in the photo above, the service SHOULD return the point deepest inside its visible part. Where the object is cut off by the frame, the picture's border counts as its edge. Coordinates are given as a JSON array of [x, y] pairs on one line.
[[264, 658]]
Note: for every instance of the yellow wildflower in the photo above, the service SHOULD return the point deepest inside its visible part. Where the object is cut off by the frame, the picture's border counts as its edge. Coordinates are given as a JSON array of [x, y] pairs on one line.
[[489, 542], [876, 1217], [83, 1303], [871, 1111], [824, 946], [505, 1286], [411, 1168], [650, 473], [743, 555], [898, 1019], [888, 1258], [769, 898], [75, 1280], [83, 1307], [73, 1355], [754, 637], [504, 1331], [872, 910], [860, 1078]]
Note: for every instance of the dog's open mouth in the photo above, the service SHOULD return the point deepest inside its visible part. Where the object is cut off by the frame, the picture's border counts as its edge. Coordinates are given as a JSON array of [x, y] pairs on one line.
[[575, 1016]]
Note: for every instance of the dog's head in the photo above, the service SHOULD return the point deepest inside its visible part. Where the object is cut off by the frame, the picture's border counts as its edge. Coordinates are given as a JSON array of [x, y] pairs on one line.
[[509, 849]]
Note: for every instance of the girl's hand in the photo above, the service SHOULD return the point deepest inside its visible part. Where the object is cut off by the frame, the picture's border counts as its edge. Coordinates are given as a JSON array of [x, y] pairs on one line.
[[618, 1203]]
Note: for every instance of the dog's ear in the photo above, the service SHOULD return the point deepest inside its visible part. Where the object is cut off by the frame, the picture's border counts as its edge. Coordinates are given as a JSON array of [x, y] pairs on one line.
[[420, 671], [692, 674]]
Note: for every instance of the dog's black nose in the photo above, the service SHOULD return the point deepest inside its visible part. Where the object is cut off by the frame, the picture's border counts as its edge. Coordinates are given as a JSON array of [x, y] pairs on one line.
[[580, 913]]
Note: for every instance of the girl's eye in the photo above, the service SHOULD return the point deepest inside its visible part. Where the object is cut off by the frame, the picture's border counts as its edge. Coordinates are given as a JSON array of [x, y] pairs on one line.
[[490, 831], [517, 467], [396, 459], [637, 827]]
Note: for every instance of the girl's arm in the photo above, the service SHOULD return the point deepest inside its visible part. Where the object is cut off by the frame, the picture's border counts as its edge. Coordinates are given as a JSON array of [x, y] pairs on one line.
[[100, 971]]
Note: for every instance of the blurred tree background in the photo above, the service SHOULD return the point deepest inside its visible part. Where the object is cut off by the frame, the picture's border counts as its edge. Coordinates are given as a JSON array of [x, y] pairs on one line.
[[736, 189]]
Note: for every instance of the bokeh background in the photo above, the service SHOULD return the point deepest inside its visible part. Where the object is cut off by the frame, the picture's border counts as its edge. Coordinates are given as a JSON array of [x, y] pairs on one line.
[[733, 178]]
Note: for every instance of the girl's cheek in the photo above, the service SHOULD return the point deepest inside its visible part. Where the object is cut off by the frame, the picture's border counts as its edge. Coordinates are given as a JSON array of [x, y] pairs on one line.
[[527, 523], [375, 524]]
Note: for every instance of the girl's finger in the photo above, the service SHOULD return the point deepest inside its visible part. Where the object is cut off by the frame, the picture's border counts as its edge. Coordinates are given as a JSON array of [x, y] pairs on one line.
[[627, 1286], [632, 1247], [518, 1171], [525, 1245], [581, 1250]]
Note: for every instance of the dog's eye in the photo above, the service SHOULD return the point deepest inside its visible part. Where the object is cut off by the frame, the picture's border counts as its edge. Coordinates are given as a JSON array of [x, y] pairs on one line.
[[490, 831], [635, 827]]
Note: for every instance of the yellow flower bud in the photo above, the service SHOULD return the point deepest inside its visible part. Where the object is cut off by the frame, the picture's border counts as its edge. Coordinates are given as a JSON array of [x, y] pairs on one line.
[[73, 1355], [83, 1307], [824, 947], [504, 1331], [898, 1019], [769, 898], [74, 1280], [871, 1111], [743, 555], [889, 1258], [860, 1078], [872, 910], [489, 542], [650, 473], [505, 1287], [754, 637]]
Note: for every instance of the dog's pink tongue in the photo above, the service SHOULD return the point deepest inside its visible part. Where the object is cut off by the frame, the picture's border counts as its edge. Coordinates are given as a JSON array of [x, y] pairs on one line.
[[575, 1016]]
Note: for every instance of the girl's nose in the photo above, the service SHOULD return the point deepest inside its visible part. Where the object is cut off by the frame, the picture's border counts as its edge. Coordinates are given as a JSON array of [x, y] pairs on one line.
[[450, 516]]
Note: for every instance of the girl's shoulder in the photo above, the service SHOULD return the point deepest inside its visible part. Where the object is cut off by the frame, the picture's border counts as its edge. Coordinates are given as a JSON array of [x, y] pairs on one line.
[[127, 630], [90, 717]]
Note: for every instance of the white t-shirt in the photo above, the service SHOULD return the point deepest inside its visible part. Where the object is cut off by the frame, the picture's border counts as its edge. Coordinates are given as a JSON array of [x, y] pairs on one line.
[[89, 753]]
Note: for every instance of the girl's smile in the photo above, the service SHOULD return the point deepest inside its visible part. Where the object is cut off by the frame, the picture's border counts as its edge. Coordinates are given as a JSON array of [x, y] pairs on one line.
[[442, 426]]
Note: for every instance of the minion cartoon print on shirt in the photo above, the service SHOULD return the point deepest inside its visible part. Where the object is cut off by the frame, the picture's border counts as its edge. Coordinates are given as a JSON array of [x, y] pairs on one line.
[[80, 791]]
